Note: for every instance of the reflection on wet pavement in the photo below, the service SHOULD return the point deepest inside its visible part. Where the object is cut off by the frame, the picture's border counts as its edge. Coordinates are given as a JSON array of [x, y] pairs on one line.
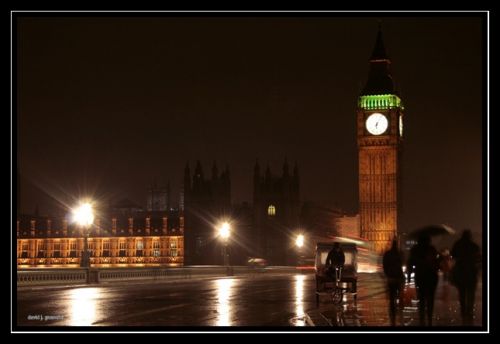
[[260, 300], [224, 294], [300, 315], [83, 304], [371, 309]]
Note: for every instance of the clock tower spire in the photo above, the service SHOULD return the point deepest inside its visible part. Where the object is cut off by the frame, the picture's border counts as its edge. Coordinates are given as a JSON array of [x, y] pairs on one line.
[[379, 134], [379, 78]]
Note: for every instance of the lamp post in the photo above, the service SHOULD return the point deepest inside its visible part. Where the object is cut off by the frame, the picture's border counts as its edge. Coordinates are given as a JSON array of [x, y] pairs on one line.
[[224, 233], [84, 216]]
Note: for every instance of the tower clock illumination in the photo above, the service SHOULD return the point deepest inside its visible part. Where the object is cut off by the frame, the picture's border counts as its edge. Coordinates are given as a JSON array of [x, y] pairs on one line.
[[376, 124], [380, 143]]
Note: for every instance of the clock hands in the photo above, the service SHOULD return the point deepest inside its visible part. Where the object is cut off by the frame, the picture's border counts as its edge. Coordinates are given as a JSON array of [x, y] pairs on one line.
[[376, 124]]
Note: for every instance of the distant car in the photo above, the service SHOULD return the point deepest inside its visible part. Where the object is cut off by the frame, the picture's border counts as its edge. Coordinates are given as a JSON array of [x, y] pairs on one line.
[[256, 262]]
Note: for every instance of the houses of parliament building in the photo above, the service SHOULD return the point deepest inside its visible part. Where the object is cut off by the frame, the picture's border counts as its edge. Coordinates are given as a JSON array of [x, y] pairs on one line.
[[125, 236], [161, 235]]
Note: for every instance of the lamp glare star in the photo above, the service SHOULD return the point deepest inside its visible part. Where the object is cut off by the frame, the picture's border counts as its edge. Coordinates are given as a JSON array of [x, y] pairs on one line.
[[83, 215]]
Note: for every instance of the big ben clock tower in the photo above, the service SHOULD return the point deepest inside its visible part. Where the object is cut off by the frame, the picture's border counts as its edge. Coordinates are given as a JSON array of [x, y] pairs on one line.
[[380, 138]]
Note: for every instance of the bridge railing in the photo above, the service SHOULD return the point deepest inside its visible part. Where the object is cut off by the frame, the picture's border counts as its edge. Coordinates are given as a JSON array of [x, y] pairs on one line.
[[27, 277], [51, 276]]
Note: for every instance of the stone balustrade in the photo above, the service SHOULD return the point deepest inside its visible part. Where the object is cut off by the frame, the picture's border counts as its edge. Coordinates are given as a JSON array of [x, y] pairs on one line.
[[51, 276], [62, 276]]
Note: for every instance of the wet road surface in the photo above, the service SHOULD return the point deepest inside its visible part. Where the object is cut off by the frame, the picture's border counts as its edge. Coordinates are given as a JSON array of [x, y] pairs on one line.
[[255, 300]]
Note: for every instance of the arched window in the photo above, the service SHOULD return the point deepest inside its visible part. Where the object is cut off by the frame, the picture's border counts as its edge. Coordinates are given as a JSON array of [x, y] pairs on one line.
[[271, 210]]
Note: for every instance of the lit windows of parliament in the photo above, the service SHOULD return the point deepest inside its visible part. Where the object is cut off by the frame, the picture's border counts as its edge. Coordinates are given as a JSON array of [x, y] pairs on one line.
[[125, 238], [141, 243]]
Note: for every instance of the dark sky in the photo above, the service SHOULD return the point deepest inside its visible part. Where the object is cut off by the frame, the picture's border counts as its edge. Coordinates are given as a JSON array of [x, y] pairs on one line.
[[106, 105]]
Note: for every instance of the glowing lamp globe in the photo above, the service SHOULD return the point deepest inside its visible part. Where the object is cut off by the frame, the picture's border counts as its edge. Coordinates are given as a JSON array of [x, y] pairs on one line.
[[224, 230], [83, 215], [300, 240]]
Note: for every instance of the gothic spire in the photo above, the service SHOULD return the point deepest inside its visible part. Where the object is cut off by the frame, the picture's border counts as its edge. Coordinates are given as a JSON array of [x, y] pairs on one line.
[[379, 53], [187, 179], [379, 78], [198, 171], [268, 172], [256, 170]]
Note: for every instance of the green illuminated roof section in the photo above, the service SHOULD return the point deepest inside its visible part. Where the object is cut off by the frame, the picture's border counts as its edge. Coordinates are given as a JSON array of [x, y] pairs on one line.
[[380, 101]]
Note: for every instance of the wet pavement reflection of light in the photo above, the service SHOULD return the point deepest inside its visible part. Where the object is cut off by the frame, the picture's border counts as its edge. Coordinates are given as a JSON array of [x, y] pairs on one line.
[[256, 300], [224, 294], [299, 301], [83, 306]]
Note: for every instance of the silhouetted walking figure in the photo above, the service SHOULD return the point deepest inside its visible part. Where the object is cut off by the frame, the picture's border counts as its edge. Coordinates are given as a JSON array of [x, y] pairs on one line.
[[392, 263], [467, 258], [424, 261]]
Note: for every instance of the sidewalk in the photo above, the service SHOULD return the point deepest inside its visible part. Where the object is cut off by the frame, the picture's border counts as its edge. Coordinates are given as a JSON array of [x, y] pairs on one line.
[[371, 308]]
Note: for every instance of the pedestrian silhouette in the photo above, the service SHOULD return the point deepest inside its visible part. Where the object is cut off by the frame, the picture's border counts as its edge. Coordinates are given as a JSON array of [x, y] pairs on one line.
[[424, 261], [392, 263], [465, 273], [335, 260]]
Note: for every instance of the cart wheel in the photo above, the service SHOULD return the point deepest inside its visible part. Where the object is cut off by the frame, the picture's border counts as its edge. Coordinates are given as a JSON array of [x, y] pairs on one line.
[[337, 296]]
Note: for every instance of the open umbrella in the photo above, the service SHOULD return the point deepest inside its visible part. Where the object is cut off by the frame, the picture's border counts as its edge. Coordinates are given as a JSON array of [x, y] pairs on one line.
[[432, 230]]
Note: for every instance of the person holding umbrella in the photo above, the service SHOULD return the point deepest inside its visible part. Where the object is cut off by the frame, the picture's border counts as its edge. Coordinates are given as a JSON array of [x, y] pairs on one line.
[[424, 261]]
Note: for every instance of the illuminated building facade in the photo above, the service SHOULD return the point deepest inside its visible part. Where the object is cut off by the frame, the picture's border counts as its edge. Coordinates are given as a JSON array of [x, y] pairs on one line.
[[380, 139], [145, 239], [347, 226], [127, 235]]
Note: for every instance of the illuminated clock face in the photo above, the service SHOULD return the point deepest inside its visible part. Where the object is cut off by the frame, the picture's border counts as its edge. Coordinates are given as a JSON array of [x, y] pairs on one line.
[[401, 126], [376, 124]]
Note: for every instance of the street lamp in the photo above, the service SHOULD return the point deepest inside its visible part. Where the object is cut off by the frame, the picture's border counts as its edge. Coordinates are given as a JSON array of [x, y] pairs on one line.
[[84, 216], [224, 233], [299, 242]]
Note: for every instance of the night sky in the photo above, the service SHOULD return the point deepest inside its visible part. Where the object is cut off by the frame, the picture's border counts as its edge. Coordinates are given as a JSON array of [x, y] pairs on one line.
[[107, 105]]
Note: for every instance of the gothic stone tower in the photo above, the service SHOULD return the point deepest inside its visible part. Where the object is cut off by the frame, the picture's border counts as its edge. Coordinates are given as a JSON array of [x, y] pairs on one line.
[[276, 211], [206, 202], [379, 132], [158, 198]]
